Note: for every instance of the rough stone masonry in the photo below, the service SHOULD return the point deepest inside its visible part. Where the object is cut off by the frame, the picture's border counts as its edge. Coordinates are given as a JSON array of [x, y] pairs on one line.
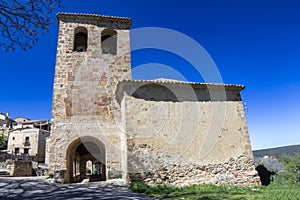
[[158, 131]]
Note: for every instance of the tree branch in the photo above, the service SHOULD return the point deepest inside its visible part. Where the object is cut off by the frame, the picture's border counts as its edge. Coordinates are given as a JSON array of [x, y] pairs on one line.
[[22, 21]]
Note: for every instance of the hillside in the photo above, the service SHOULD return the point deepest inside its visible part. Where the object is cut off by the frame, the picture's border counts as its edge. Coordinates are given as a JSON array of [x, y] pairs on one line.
[[278, 152]]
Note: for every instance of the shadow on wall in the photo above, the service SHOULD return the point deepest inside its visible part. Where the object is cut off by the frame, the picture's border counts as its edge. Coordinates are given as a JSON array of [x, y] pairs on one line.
[[185, 92]]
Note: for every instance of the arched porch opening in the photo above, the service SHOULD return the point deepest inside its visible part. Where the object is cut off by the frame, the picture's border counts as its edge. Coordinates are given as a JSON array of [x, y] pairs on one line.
[[82, 151]]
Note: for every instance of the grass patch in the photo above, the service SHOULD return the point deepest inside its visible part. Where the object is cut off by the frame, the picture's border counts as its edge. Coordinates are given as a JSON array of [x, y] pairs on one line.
[[279, 191], [41, 164], [211, 192]]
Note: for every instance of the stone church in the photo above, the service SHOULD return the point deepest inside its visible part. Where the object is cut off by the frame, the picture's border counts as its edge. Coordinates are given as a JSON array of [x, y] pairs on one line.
[[106, 126]]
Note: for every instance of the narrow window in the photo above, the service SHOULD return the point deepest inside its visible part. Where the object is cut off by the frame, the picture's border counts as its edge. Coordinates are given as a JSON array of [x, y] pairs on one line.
[[109, 41], [26, 143], [80, 39]]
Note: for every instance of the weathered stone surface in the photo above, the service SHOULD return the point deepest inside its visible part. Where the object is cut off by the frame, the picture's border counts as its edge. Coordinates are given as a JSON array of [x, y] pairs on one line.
[[180, 176], [84, 84], [21, 168]]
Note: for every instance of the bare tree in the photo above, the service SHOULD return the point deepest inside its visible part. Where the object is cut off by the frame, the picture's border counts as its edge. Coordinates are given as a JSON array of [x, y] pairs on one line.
[[21, 21]]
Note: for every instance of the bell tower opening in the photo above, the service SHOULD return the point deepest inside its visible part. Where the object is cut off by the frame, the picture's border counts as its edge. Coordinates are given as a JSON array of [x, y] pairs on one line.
[[80, 39], [109, 41]]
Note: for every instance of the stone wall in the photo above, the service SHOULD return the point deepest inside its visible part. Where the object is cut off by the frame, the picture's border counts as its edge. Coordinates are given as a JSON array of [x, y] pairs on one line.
[[180, 143], [21, 168], [42, 135], [234, 172]]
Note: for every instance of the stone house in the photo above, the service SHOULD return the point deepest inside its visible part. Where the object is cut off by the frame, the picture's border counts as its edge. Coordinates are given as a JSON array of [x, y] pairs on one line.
[[6, 124], [28, 139], [158, 131]]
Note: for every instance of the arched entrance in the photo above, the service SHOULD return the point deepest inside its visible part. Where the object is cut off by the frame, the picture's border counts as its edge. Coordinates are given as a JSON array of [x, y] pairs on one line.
[[83, 152]]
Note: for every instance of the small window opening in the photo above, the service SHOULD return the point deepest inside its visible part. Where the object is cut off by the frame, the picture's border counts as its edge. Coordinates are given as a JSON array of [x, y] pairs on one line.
[[109, 41], [26, 143], [26, 151], [17, 150], [80, 39]]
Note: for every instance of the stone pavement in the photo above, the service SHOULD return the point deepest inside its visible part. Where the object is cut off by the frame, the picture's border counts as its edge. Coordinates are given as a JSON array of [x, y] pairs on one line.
[[37, 188]]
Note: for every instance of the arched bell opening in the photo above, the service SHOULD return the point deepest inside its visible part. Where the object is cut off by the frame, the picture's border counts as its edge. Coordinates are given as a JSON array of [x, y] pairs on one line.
[[80, 39], [109, 41], [86, 160]]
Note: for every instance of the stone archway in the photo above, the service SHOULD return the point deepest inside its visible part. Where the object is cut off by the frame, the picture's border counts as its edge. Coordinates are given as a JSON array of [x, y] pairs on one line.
[[79, 152]]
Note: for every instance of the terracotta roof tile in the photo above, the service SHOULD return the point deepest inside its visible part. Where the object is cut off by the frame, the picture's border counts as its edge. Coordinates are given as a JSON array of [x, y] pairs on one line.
[[93, 15], [170, 81]]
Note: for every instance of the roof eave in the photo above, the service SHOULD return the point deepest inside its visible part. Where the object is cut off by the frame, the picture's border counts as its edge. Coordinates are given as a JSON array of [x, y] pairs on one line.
[[126, 20], [211, 85]]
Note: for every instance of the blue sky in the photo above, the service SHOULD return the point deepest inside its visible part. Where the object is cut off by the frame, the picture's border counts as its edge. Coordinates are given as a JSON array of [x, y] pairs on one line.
[[252, 42]]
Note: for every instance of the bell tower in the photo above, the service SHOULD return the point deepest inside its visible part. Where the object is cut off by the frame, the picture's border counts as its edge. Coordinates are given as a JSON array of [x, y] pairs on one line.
[[93, 54]]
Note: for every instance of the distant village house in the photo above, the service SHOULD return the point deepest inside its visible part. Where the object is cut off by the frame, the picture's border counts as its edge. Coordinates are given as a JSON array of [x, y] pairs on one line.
[[28, 139]]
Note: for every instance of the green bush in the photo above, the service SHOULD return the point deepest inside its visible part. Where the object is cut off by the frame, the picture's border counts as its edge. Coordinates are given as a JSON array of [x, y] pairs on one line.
[[50, 175], [139, 187], [3, 142], [292, 169]]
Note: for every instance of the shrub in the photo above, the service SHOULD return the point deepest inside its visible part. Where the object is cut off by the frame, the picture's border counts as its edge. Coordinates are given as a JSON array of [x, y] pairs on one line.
[[50, 175], [292, 169], [3, 142], [139, 187]]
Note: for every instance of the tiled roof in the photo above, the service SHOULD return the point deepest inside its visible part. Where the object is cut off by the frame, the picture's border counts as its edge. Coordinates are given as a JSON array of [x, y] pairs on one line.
[[23, 128], [35, 121], [22, 117], [171, 81], [93, 16]]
